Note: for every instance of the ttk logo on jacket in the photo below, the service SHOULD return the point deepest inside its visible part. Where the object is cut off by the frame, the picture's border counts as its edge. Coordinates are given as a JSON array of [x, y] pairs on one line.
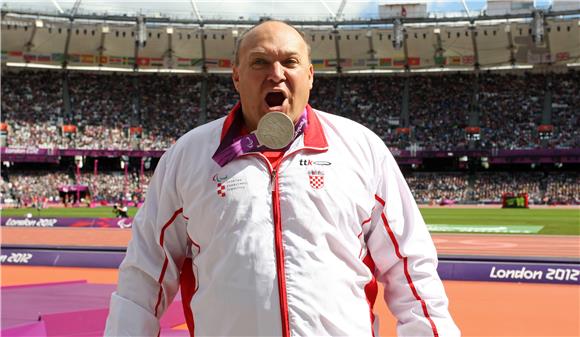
[[316, 178]]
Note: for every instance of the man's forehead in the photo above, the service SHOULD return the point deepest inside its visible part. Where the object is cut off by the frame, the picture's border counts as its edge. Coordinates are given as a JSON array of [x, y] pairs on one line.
[[273, 28], [284, 50], [274, 35]]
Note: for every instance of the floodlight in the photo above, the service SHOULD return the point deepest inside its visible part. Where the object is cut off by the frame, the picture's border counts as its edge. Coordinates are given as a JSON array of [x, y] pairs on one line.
[[538, 27], [38, 23], [141, 36], [437, 31], [398, 35], [169, 30], [105, 29]]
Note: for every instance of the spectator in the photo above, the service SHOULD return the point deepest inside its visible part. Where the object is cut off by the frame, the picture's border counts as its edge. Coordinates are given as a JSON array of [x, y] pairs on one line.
[[103, 108]]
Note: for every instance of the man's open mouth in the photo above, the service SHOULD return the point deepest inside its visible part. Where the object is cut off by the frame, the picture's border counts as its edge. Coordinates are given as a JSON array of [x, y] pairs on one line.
[[275, 99]]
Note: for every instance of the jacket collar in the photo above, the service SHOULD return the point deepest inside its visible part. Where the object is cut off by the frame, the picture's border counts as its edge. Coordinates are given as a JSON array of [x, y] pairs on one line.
[[313, 134]]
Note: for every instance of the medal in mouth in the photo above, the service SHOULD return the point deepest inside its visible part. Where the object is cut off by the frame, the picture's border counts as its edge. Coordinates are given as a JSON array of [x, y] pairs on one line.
[[275, 130]]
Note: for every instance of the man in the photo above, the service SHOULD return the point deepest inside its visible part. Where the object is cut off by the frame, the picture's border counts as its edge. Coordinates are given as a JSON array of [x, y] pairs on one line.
[[120, 211], [284, 240]]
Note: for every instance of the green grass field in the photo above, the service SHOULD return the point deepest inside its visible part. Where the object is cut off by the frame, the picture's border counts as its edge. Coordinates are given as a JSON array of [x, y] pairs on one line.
[[97, 212], [555, 221]]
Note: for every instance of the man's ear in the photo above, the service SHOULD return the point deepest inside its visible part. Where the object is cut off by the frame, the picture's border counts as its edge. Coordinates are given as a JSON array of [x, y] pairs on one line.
[[311, 74], [236, 77]]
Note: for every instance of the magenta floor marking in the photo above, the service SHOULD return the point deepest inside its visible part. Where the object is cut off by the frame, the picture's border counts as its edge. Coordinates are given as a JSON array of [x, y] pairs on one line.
[[68, 309], [37, 329]]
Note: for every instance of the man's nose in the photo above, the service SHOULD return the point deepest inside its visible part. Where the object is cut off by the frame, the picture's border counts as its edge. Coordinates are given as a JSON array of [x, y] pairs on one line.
[[277, 73]]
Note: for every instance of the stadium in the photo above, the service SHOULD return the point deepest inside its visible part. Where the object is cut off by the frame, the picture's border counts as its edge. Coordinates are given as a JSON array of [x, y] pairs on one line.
[[479, 106]]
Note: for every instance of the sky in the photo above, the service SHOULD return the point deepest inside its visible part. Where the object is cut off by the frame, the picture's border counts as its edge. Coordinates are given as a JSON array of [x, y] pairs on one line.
[[243, 9]]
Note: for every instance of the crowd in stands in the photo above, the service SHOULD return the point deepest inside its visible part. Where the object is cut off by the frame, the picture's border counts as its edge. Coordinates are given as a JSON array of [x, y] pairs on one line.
[[438, 187], [440, 110], [566, 110], [25, 188], [105, 106], [489, 187], [547, 188], [372, 101], [562, 189]]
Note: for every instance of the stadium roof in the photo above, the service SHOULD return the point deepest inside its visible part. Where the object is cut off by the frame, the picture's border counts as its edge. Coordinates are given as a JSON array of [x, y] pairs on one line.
[[199, 35], [301, 10]]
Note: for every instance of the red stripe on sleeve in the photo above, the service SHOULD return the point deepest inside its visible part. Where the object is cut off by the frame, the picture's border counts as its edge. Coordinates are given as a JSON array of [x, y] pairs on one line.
[[187, 283], [391, 235], [365, 222], [166, 261], [167, 225], [371, 289], [418, 298], [406, 268]]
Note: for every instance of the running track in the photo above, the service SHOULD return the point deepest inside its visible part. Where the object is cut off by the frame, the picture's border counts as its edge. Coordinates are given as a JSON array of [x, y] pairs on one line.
[[479, 308], [551, 246]]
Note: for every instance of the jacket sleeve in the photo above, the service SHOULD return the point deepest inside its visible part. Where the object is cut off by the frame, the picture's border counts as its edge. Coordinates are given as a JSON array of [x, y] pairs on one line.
[[405, 258], [149, 274]]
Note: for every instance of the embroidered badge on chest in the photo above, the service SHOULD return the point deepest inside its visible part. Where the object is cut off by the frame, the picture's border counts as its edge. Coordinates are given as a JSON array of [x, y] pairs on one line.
[[226, 185], [221, 190], [316, 178]]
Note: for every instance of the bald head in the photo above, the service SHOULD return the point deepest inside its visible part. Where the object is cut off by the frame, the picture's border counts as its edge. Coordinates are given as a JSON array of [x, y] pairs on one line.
[[272, 72], [256, 29]]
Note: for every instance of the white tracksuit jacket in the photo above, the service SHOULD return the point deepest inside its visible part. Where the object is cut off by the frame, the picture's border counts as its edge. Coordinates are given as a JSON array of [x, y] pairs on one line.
[[289, 251]]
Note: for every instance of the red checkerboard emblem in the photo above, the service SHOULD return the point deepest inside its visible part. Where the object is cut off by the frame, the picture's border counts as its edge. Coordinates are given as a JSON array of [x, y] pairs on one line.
[[316, 179], [221, 190]]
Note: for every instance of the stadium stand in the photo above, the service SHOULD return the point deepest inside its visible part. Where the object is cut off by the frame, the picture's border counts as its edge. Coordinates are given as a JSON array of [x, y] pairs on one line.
[[562, 189], [170, 106], [462, 130], [25, 188], [103, 114]]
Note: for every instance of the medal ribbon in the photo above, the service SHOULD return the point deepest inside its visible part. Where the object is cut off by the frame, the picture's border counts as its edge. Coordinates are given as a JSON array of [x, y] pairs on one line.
[[249, 143]]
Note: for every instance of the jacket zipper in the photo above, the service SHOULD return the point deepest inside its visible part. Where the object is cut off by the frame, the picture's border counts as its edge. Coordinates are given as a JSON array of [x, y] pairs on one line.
[[273, 177], [279, 253], [278, 242]]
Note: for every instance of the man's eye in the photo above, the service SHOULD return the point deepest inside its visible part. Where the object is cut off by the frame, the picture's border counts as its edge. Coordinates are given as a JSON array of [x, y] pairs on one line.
[[291, 62], [260, 62]]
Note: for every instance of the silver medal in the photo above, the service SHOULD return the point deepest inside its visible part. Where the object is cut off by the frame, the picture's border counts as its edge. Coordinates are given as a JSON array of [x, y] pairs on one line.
[[275, 130]]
